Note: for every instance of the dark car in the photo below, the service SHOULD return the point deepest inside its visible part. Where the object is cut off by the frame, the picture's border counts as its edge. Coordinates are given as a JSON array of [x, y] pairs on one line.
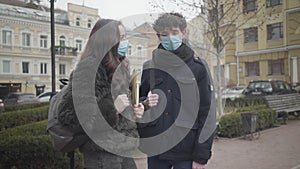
[[267, 87], [20, 98]]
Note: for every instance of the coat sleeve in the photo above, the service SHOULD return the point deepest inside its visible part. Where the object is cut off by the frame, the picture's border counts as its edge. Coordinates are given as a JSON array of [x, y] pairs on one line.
[[202, 148]]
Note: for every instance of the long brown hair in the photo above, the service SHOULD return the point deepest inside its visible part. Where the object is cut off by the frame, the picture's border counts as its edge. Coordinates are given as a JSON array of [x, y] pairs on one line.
[[103, 43]]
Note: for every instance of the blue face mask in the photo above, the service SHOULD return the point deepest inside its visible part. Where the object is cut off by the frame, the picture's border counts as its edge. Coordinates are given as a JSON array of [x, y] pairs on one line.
[[171, 43], [123, 47]]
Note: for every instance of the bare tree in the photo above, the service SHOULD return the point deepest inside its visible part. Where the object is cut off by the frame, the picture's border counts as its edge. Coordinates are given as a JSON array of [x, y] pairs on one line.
[[223, 20]]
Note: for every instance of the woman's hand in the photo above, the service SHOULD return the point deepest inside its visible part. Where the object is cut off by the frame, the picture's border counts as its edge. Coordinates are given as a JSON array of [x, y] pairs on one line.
[[121, 102], [138, 110]]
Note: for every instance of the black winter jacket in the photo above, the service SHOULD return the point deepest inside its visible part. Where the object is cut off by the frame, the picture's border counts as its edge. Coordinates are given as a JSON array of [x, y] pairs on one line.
[[181, 109]]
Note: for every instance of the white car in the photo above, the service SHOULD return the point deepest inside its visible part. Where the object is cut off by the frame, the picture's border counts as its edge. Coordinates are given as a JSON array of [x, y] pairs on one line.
[[45, 97], [234, 93], [1, 103]]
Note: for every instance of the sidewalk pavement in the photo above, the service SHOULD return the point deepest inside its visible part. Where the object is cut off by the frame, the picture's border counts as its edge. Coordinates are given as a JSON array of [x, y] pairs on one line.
[[276, 148]]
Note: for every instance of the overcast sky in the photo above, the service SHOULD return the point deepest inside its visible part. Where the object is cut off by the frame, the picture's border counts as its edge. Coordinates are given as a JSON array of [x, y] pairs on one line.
[[134, 12]]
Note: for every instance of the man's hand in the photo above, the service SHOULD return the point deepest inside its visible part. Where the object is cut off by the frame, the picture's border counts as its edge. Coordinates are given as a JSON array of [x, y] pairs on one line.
[[121, 103], [198, 166], [138, 110], [152, 99]]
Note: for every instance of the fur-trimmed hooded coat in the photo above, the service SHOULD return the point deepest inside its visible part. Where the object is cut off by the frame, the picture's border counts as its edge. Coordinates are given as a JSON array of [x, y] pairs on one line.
[[105, 91]]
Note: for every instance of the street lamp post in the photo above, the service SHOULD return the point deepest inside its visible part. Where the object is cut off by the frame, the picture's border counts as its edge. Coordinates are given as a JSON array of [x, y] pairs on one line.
[[70, 154], [52, 46]]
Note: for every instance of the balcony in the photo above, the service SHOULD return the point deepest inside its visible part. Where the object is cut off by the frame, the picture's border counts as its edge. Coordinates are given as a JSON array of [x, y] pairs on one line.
[[65, 51]]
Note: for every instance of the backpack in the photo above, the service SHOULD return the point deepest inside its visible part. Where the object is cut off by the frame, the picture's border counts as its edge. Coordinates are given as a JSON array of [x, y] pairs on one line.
[[63, 138]]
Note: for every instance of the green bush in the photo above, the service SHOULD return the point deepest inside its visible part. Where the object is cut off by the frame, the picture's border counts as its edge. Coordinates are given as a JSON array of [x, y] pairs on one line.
[[231, 124], [33, 152], [21, 117], [32, 129], [245, 101], [16, 107], [251, 109]]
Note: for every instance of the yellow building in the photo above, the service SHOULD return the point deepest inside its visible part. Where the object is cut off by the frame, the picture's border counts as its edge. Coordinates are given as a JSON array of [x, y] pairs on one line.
[[268, 44], [25, 57]]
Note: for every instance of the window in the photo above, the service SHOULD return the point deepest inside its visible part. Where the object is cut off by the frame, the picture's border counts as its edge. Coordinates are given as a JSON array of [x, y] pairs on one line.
[[89, 24], [25, 67], [250, 35], [62, 44], [271, 3], [43, 68], [62, 41], [275, 31], [221, 11], [77, 21], [78, 44], [212, 14], [6, 37], [129, 50], [139, 51], [276, 67], [249, 5], [252, 69], [62, 69], [43, 41], [6, 66], [26, 39]]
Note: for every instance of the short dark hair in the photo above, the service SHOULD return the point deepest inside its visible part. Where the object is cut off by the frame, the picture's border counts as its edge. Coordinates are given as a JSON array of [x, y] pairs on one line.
[[169, 20]]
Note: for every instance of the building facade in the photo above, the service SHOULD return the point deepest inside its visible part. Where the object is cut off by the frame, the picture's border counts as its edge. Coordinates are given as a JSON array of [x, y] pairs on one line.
[[267, 42], [261, 39], [25, 55]]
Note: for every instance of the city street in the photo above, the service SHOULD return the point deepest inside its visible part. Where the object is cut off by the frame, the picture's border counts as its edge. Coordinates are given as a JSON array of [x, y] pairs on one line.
[[276, 148]]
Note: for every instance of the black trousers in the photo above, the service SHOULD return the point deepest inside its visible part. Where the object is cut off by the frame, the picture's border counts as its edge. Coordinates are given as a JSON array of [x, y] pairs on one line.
[[156, 163]]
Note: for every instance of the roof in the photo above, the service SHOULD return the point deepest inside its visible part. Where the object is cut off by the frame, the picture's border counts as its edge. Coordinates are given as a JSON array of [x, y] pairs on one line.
[[29, 5], [28, 13]]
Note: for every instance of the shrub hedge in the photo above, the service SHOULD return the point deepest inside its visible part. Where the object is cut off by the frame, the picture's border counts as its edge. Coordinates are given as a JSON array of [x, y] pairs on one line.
[[33, 152], [16, 107], [21, 117], [231, 124], [245, 101], [32, 129]]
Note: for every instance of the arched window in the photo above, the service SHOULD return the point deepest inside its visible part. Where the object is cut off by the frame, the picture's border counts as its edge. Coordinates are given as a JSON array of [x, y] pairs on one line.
[[139, 51], [129, 50], [62, 40], [89, 24], [77, 21], [62, 44]]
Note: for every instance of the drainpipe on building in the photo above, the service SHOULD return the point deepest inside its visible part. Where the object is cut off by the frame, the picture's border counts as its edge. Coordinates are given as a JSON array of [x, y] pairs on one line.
[[289, 65], [237, 43]]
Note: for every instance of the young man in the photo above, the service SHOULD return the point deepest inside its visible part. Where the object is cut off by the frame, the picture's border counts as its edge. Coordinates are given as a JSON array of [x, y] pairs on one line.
[[177, 87]]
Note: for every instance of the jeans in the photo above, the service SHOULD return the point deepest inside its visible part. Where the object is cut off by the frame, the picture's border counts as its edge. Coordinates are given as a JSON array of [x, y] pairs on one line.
[[156, 163], [105, 160]]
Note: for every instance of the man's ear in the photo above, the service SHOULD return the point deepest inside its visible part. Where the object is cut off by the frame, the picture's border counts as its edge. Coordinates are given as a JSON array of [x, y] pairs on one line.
[[184, 33], [158, 36]]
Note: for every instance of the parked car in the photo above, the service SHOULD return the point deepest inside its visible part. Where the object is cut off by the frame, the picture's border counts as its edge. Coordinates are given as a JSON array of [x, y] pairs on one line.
[[297, 88], [1, 103], [234, 93], [267, 87], [45, 97], [20, 98]]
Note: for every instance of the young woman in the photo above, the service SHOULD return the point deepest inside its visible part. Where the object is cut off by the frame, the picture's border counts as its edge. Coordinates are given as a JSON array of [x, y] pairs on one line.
[[106, 45]]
